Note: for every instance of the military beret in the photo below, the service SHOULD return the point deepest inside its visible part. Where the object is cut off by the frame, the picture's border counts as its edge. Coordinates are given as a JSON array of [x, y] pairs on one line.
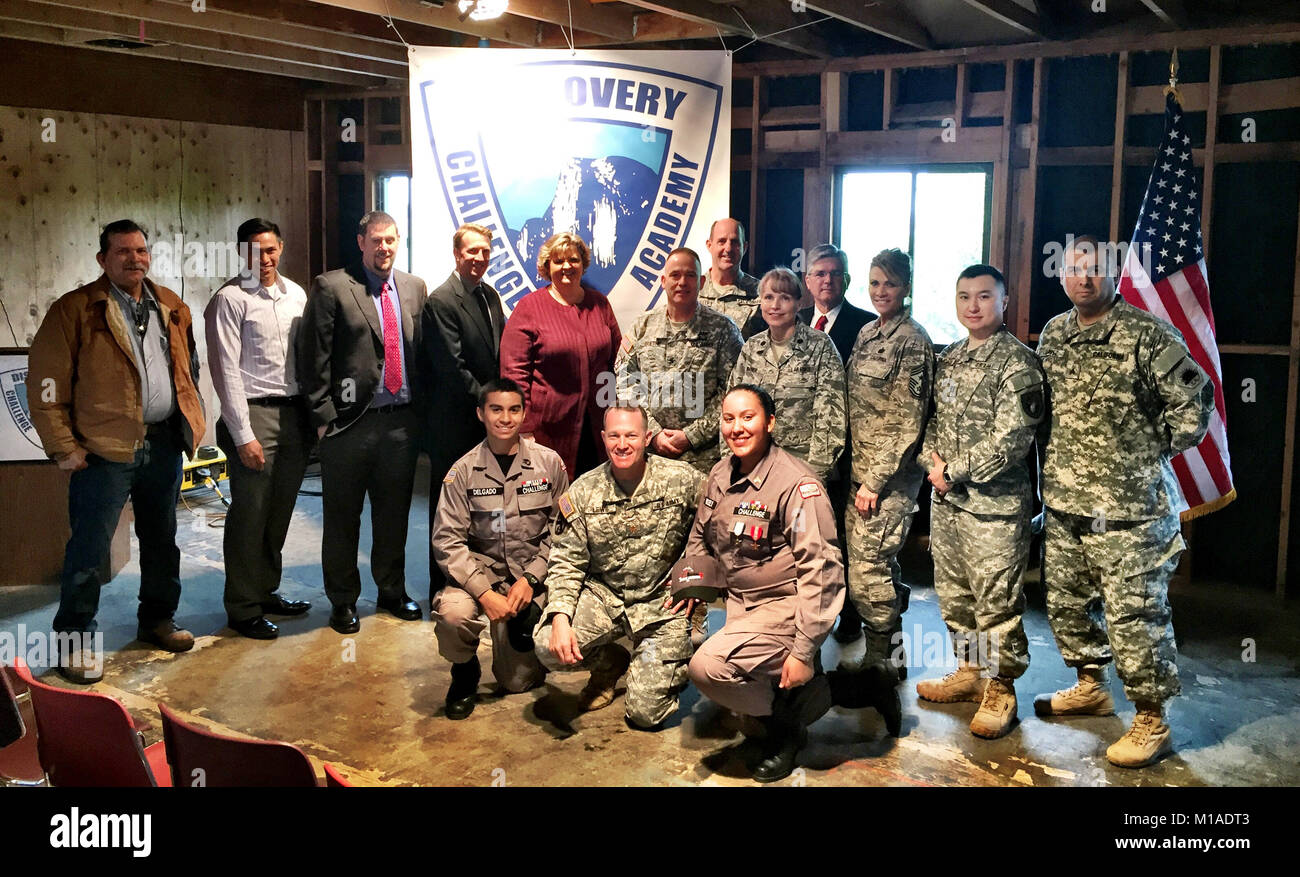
[[698, 577]]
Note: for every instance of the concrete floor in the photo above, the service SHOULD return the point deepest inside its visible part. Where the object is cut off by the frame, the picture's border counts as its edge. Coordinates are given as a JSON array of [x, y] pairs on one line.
[[372, 703]]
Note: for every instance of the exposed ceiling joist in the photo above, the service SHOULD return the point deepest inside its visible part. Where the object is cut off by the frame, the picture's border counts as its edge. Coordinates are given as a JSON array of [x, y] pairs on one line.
[[1171, 12], [107, 24], [216, 20], [76, 38], [773, 22], [891, 22], [509, 29], [600, 20], [1011, 13]]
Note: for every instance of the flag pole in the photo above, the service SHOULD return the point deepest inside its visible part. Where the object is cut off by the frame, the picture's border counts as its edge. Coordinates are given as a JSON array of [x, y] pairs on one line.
[[1172, 87]]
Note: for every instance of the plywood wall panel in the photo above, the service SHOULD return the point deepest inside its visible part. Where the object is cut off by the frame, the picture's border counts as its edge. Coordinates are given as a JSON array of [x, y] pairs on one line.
[[17, 268]]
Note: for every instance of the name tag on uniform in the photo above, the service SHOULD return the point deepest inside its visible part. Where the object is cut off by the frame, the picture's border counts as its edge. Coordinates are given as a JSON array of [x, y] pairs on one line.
[[486, 491], [753, 509], [534, 485], [709, 502]]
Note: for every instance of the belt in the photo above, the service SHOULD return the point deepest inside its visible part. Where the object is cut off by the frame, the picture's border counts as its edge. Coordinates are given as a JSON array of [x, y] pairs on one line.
[[390, 409], [159, 430], [275, 400]]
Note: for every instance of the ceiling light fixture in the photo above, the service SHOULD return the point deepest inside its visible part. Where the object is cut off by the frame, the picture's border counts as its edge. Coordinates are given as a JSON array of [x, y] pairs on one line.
[[482, 10]]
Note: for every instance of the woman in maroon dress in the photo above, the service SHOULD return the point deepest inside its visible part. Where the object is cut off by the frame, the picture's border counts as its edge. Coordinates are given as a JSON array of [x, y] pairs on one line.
[[559, 345]]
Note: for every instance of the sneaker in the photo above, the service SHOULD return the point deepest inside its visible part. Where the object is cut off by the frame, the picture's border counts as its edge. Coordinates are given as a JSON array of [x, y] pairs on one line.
[[166, 635], [961, 685], [1087, 697], [1145, 742], [997, 713], [598, 693]]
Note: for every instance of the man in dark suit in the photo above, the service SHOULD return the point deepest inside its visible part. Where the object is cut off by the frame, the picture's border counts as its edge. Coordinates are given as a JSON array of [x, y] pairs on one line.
[[460, 339], [356, 354], [827, 277]]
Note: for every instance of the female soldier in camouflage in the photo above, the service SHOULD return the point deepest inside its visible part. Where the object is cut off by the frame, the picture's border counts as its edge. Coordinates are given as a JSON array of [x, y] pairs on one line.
[[799, 366]]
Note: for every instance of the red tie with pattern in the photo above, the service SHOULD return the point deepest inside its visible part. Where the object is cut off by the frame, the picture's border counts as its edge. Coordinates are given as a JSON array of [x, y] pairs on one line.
[[392, 340], [820, 325]]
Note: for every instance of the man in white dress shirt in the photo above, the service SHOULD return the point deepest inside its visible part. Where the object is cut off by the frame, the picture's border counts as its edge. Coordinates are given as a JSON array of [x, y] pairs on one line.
[[251, 324]]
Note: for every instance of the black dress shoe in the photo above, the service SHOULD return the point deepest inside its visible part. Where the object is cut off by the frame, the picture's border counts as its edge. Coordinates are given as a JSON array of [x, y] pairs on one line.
[[463, 693], [277, 605], [402, 606], [254, 628], [343, 618]]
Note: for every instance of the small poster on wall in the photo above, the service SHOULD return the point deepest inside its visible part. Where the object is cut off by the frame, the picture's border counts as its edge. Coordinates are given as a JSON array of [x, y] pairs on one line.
[[18, 439]]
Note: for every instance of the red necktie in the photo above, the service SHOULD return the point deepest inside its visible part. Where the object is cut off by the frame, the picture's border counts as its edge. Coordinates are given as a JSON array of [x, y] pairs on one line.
[[392, 342], [820, 325]]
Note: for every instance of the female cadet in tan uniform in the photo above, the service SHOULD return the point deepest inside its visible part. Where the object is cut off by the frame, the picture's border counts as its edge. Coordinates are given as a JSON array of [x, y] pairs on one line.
[[889, 376], [801, 369], [766, 520]]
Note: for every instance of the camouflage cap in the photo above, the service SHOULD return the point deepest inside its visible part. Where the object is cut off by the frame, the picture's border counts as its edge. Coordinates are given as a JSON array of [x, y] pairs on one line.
[[698, 577]]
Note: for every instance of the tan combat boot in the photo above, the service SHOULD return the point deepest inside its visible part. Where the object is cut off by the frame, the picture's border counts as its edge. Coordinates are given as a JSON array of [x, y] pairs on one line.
[[611, 664], [962, 684], [1087, 697], [1145, 741], [997, 712]]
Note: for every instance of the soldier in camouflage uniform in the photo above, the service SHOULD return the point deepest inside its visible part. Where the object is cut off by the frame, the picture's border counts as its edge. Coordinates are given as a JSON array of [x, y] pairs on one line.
[[889, 376], [802, 371], [989, 398], [726, 288], [677, 365], [619, 530], [1126, 396]]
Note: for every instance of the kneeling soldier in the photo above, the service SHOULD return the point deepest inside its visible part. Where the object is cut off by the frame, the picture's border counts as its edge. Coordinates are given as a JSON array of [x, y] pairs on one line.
[[621, 528], [492, 538]]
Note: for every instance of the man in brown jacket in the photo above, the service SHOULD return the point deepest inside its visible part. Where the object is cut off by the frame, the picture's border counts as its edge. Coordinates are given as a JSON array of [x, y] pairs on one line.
[[114, 388]]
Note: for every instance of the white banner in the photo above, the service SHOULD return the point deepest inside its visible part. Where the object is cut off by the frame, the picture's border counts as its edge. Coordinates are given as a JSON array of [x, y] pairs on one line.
[[629, 150]]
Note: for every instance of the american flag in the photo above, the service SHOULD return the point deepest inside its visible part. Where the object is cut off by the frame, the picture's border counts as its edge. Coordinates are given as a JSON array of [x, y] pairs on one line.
[[1177, 289]]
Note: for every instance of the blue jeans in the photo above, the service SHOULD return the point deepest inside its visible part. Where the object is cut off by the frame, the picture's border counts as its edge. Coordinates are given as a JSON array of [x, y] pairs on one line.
[[96, 496]]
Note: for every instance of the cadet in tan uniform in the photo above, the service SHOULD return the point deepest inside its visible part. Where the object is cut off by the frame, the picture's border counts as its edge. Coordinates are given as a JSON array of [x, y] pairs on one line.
[[889, 376], [767, 520], [492, 538], [989, 401], [800, 367], [620, 529]]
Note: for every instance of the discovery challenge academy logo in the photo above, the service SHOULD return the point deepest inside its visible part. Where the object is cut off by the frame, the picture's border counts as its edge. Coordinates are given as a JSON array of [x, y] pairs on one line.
[[13, 392], [615, 153]]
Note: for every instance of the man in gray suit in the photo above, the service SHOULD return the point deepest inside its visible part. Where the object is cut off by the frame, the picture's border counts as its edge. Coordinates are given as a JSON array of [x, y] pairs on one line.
[[459, 346], [356, 354]]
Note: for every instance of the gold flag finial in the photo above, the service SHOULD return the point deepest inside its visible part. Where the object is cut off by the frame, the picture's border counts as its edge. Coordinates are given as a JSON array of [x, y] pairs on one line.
[[1172, 87]]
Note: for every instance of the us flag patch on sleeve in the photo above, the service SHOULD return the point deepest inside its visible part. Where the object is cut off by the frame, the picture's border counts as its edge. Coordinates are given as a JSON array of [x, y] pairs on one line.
[[808, 489], [566, 507], [451, 476]]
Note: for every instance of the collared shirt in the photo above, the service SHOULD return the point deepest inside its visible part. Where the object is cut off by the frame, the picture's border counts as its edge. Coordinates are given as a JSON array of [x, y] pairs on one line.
[[152, 356], [830, 316], [739, 301], [375, 285], [251, 334]]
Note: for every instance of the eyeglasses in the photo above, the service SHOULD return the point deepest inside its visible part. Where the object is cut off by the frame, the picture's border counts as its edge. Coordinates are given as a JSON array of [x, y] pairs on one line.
[[822, 275]]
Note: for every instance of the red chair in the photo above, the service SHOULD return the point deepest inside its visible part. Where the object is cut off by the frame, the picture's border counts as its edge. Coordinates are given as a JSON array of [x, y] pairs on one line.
[[20, 765], [199, 757], [334, 779], [88, 739]]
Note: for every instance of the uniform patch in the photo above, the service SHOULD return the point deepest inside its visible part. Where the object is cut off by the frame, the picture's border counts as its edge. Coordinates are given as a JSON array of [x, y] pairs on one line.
[[709, 502], [807, 490], [916, 381], [566, 507], [451, 476], [534, 485], [1031, 402], [753, 509], [1189, 377], [486, 491]]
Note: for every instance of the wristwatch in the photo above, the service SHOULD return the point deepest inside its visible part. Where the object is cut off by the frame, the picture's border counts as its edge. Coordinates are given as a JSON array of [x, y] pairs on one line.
[[532, 580]]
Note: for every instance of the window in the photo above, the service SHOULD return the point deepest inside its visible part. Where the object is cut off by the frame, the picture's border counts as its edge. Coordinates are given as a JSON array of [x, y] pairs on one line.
[[393, 196], [940, 217]]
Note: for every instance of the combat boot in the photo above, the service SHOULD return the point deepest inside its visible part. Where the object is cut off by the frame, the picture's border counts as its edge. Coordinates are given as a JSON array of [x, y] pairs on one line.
[[1147, 740], [463, 693], [793, 710], [1087, 697], [882, 690], [997, 712], [963, 685], [610, 665]]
